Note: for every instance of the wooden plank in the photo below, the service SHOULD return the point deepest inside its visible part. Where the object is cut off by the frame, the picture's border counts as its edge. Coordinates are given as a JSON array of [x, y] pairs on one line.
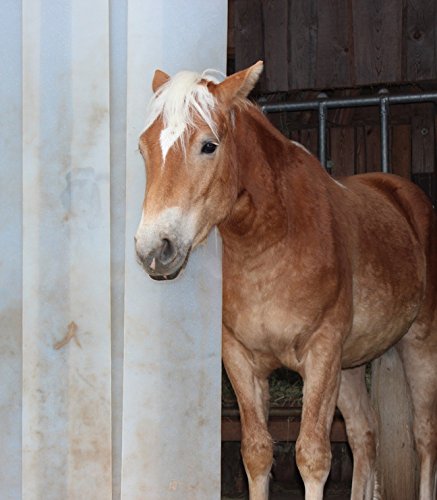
[[231, 29], [377, 32], [294, 135], [248, 35], [281, 429], [421, 39], [279, 120], [397, 461], [342, 150], [275, 13], [401, 150], [423, 136], [308, 138], [373, 149], [360, 150], [302, 25], [428, 183], [334, 67]]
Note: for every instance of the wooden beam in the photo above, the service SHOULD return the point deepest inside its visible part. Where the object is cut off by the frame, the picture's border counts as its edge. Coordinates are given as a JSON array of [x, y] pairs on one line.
[[281, 429]]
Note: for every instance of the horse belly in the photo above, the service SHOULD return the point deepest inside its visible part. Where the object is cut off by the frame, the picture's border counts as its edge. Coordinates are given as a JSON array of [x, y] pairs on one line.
[[384, 310]]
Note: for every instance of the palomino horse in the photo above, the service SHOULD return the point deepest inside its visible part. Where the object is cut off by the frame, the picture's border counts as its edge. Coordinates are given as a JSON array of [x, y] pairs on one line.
[[319, 275]]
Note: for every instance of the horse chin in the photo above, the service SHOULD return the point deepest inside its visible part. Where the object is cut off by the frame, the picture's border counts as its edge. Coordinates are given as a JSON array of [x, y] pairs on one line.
[[166, 277], [173, 275]]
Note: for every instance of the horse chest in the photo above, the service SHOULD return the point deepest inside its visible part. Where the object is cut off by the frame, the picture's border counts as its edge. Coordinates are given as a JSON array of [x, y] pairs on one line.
[[260, 317]]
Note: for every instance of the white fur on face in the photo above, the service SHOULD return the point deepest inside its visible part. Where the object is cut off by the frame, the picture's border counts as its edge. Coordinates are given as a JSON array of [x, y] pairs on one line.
[[171, 223], [168, 137], [179, 101]]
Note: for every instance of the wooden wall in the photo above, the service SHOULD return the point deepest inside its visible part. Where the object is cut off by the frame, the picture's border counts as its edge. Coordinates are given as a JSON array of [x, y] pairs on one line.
[[354, 140], [309, 44], [346, 48]]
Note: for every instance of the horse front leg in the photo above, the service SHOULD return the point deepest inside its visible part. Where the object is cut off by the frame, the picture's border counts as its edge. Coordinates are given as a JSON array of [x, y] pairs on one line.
[[321, 375], [252, 393]]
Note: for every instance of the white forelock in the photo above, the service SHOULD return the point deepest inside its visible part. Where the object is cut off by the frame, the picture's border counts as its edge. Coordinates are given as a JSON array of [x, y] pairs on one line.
[[178, 101]]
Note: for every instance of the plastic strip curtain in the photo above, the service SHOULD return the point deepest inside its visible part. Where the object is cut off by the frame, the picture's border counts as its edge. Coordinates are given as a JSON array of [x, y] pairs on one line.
[[110, 382]]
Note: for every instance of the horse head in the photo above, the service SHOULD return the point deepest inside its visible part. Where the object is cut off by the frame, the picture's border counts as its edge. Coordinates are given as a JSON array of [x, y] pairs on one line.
[[192, 179]]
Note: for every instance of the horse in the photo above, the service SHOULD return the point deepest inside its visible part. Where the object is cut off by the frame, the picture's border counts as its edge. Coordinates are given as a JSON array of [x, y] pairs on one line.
[[320, 275]]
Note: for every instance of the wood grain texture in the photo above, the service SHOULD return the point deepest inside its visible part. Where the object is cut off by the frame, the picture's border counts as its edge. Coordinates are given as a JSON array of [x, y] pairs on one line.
[[401, 150], [423, 136], [373, 148], [303, 26], [377, 28], [397, 461], [281, 429], [428, 183], [275, 15], [334, 55], [342, 151], [421, 39], [249, 35], [308, 138], [315, 44], [360, 150]]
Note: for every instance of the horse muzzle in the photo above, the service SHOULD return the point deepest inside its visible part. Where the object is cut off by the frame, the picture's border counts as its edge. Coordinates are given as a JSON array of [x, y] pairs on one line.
[[165, 261]]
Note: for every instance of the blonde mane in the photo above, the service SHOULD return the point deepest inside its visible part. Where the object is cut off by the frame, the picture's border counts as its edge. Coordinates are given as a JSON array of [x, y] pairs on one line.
[[179, 101]]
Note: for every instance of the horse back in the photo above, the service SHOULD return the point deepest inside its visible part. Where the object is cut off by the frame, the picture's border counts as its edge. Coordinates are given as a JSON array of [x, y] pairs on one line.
[[409, 200]]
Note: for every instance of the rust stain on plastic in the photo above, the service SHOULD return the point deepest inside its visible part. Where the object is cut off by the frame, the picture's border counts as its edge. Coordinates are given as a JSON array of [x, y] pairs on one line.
[[71, 334]]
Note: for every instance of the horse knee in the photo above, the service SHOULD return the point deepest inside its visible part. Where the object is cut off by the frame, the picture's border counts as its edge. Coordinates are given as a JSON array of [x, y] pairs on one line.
[[313, 460], [257, 452]]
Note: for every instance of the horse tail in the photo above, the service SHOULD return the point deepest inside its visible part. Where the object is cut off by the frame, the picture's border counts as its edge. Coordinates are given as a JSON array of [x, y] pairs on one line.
[[397, 464]]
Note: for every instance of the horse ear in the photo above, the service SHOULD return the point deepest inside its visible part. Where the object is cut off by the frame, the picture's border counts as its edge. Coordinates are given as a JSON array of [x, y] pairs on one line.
[[159, 79], [239, 85]]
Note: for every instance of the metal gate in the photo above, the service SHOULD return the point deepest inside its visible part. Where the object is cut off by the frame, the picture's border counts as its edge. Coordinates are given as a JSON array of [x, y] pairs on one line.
[[383, 101]]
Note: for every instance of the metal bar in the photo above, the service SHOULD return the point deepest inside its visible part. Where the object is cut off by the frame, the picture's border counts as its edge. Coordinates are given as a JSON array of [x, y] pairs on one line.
[[323, 103], [322, 132], [349, 102], [384, 116]]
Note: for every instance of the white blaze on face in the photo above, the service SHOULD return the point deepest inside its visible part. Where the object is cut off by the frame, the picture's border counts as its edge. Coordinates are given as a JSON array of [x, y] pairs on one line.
[[179, 101], [171, 223], [169, 136]]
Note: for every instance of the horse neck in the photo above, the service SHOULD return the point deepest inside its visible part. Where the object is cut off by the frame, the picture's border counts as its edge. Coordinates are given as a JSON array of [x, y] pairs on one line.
[[283, 190]]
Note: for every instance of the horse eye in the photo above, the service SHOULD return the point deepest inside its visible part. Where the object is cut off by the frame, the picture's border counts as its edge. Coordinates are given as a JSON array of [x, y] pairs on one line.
[[209, 148]]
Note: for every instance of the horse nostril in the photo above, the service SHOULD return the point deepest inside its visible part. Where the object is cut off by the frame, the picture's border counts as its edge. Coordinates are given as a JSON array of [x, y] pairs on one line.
[[167, 251]]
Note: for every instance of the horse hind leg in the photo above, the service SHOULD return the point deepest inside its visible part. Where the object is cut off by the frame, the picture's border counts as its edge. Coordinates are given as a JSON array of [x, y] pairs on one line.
[[418, 351], [361, 426]]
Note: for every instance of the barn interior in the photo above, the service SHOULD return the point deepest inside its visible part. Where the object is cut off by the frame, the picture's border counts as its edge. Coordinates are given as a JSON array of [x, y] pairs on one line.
[[321, 50]]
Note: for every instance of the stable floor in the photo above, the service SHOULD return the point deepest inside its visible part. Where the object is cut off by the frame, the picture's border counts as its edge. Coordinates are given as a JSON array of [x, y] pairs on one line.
[[281, 492]]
